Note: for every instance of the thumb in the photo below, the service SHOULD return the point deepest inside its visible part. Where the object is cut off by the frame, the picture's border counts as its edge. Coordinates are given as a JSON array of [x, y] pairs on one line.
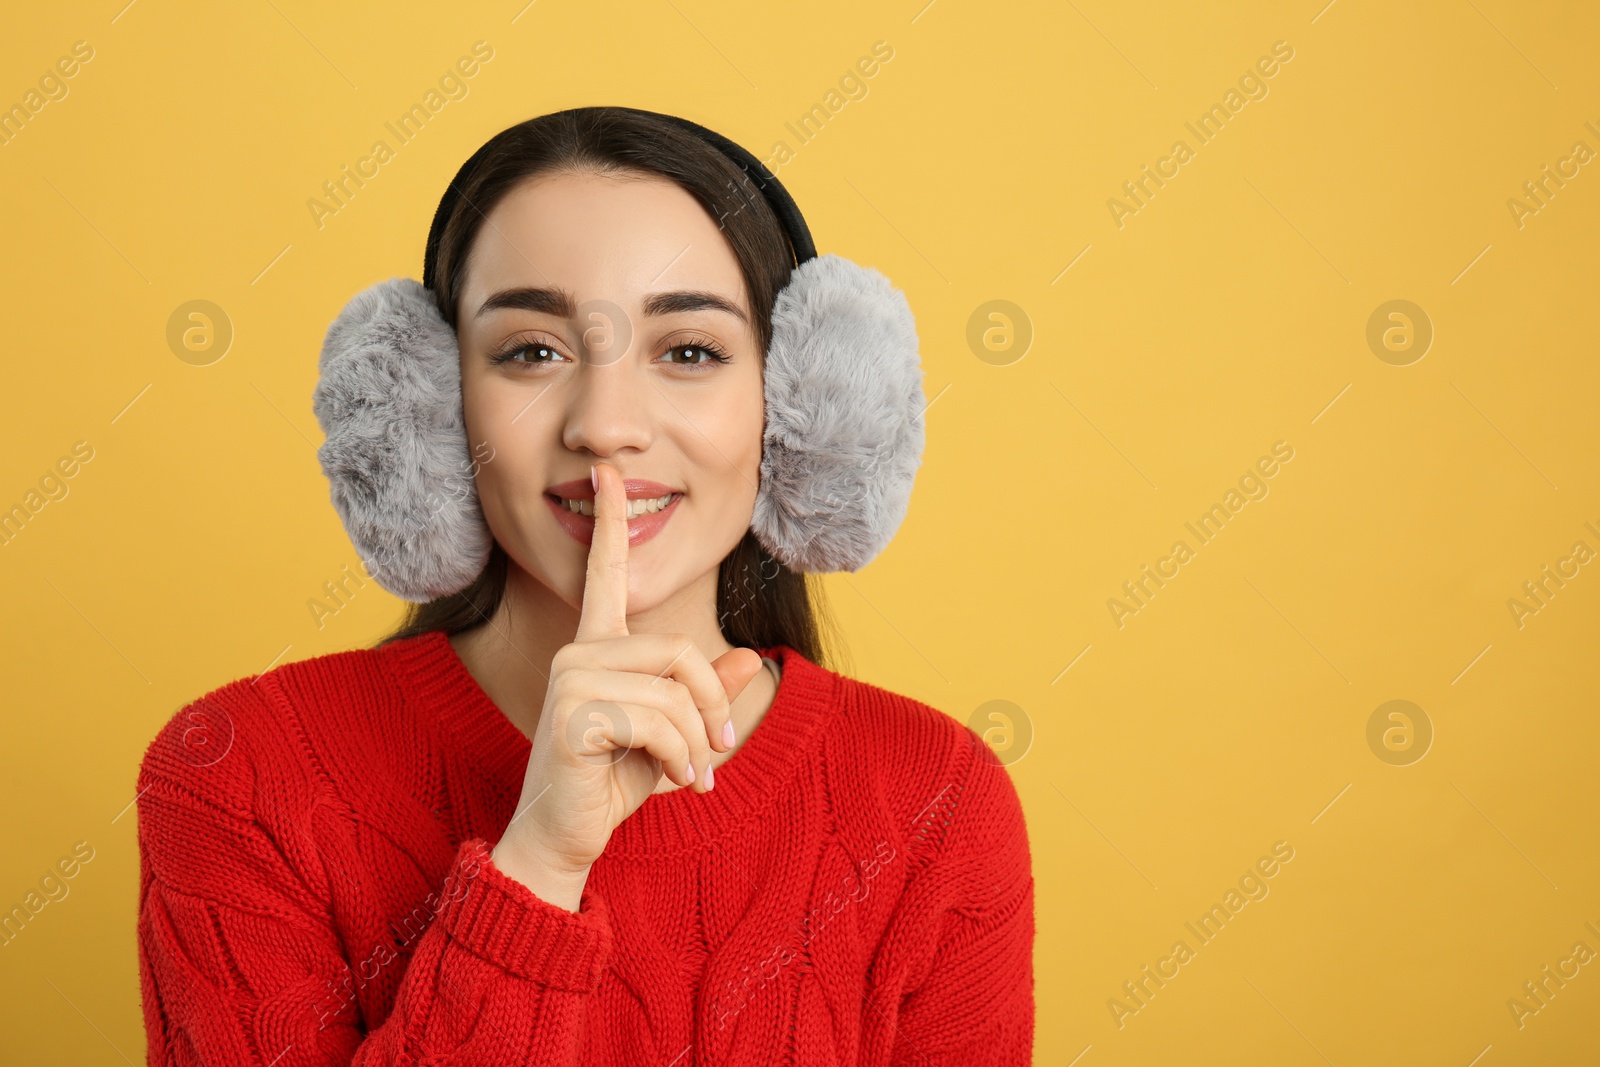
[[735, 668]]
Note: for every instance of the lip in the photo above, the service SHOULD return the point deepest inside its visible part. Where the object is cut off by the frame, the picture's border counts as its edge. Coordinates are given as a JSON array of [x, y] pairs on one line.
[[634, 488], [581, 527]]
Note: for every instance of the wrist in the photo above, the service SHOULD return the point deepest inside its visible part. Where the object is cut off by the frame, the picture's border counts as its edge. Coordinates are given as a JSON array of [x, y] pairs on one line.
[[551, 879]]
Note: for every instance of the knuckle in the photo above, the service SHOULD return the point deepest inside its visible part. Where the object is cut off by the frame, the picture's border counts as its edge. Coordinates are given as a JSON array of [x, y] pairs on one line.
[[693, 725], [569, 680], [686, 711], [690, 707], [668, 740]]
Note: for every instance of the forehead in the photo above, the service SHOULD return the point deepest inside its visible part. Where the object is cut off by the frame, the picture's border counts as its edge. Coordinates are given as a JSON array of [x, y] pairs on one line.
[[616, 237]]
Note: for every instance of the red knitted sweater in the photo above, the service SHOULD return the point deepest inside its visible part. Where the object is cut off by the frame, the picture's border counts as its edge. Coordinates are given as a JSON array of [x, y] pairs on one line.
[[316, 888]]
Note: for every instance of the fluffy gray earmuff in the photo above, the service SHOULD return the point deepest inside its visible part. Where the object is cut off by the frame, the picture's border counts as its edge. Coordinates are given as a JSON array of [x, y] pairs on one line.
[[844, 430], [845, 407], [396, 454]]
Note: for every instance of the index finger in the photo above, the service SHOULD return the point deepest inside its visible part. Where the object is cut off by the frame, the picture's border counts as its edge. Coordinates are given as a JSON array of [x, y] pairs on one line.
[[605, 583]]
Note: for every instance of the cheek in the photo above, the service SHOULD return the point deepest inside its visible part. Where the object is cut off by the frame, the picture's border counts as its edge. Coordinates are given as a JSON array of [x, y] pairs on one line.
[[750, 439], [734, 431], [490, 405], [503, 432]]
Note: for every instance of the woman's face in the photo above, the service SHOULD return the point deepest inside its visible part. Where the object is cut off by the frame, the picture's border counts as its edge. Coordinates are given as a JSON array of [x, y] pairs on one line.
[[606, 301]]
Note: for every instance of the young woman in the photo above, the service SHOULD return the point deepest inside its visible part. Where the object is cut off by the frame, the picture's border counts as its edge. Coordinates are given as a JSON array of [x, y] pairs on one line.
[[604, 803]]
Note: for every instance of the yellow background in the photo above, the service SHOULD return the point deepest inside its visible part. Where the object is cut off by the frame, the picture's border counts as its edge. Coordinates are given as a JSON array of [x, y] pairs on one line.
[[1229, 313]]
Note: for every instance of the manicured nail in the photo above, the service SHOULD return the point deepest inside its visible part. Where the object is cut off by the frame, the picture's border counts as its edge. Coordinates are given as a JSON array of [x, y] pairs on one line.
[[594, 479], [710, 776], [727, 733], [691, 772]]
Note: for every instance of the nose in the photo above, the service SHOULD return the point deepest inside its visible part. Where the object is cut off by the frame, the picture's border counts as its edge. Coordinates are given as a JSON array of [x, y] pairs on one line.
[[609, 407]]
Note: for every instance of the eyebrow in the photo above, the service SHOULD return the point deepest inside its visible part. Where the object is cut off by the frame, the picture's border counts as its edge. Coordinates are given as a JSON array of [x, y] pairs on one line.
[[559, 302]]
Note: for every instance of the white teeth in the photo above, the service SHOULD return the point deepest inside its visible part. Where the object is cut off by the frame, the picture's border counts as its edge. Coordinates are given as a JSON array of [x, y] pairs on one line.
[[635, 507]]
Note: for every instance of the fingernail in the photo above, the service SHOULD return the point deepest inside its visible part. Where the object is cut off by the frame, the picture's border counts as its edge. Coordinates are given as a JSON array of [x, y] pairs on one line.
[[727, 733], [594, 479], [691, 772], [711, 776]]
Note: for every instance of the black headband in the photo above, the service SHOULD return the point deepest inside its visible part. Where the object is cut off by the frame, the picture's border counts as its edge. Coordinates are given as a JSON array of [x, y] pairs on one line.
[[772, 190]]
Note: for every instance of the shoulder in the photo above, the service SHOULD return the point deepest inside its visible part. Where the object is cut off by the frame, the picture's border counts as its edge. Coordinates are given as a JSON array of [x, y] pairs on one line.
[[229, 794], [244, 788], [934, 776], [911, 734], [224, 742]]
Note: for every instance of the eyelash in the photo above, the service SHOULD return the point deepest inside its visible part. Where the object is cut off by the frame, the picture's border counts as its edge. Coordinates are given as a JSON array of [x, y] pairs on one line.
[[715, 352]]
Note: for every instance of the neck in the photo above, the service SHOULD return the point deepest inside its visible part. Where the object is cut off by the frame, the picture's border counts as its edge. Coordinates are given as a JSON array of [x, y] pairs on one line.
[[509, 655]]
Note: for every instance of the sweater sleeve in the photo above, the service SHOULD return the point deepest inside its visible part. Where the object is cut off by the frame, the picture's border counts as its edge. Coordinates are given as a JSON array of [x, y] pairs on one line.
[[975, 1004], [238, 950]]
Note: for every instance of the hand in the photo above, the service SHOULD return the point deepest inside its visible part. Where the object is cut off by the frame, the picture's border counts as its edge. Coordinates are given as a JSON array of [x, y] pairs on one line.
[[620, 710]]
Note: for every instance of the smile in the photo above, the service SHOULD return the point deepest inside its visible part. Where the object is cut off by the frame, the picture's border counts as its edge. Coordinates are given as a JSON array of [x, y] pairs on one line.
[[647, 515], [635, 507]]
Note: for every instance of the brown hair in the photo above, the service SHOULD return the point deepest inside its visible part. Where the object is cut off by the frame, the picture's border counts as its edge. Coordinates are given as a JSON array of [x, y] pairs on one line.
[[760, 601]]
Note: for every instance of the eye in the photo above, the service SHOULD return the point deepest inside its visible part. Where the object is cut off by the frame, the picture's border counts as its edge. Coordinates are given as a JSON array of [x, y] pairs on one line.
[[527, 353], [698, 354], [703, 353]]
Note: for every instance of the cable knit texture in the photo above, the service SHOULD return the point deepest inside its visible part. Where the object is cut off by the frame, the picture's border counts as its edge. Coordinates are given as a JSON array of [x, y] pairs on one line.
[[316, 886]]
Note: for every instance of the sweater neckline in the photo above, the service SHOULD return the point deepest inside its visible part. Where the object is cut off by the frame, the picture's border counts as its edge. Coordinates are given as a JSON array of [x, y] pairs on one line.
[[677, 821]]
